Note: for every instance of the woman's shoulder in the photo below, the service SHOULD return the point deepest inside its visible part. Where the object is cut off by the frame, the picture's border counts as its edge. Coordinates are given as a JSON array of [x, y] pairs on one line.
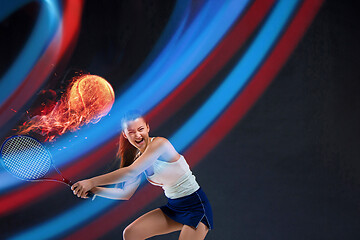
[[168, 152], [160, 140], [163, 143]]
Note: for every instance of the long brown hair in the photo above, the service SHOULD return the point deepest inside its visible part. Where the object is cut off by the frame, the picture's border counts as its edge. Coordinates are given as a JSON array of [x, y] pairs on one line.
[[126, 151]]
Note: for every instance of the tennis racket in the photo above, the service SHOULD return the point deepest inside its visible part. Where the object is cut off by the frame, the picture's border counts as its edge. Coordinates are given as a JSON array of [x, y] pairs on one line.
[[27, 159]]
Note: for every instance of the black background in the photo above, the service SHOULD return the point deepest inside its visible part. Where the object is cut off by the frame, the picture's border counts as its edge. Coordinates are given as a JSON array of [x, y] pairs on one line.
[[290, 168]]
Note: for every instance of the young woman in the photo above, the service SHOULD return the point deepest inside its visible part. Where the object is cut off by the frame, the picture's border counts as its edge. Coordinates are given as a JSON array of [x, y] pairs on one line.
[[188, 209]]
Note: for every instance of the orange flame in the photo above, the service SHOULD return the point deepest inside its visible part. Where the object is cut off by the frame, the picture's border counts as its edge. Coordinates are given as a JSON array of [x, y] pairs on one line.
[[87, 99]]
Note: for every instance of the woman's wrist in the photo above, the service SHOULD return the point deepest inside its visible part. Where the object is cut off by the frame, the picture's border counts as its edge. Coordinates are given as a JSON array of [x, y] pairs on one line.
[[93, 182], [95, 190]]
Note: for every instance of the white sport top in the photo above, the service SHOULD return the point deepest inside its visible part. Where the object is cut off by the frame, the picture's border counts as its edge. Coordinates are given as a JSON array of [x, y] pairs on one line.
[[174, 177]]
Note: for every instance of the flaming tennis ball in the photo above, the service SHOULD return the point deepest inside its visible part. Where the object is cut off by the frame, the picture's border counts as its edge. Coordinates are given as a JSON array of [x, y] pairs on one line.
[[86, 100], [91, 97]]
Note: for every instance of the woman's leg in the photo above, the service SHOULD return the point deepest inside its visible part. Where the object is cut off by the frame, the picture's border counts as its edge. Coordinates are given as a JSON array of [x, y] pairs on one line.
[[151, 224], [192, 233]]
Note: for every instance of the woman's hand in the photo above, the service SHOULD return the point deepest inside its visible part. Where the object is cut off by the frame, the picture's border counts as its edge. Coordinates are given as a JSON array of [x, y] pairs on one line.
[[81, 188]]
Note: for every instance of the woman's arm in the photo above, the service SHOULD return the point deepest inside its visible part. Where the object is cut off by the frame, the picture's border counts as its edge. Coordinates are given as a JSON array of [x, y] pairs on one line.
[[152, 152], [118, 193]]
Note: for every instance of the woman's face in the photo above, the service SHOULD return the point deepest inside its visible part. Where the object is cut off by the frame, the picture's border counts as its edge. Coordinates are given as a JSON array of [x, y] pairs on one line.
[[137, 132]]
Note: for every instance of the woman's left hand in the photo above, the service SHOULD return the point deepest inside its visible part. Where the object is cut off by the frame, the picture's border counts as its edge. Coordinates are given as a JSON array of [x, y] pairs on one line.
[[81, 188]]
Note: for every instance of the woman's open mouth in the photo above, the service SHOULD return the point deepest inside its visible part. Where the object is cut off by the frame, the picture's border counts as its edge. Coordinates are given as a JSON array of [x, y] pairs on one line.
[[139, 141]]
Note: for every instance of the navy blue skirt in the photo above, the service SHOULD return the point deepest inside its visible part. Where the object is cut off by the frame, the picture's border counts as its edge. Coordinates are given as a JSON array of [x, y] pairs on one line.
[[190, 210]]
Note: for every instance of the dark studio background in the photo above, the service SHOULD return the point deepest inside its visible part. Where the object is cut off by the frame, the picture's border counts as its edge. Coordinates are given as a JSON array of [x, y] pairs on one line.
[[290, 168]]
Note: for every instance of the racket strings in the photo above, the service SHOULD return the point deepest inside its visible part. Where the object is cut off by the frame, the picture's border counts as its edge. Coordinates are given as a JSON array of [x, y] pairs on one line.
[[26, 158]]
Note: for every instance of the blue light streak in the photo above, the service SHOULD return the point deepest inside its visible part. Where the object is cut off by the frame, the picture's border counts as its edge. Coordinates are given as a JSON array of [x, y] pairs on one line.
[[44, 30], [63, 153], [162, 77], [238, 78], [56, 226], [158, 81], [188, 133], [185, 56]]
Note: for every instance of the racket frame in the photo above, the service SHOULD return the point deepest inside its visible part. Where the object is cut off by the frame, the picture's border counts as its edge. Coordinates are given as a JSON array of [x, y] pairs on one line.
[[64, 180]]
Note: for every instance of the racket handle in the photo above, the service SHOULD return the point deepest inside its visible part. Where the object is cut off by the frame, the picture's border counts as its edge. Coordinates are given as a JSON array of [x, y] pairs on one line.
[[89, 194]]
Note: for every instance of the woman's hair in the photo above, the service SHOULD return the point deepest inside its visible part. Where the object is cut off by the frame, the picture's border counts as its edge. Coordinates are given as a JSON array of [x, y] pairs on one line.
[[126, 151]]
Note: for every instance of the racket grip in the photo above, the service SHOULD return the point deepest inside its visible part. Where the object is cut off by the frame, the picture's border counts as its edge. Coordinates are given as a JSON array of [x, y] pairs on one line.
[[91, 195]]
